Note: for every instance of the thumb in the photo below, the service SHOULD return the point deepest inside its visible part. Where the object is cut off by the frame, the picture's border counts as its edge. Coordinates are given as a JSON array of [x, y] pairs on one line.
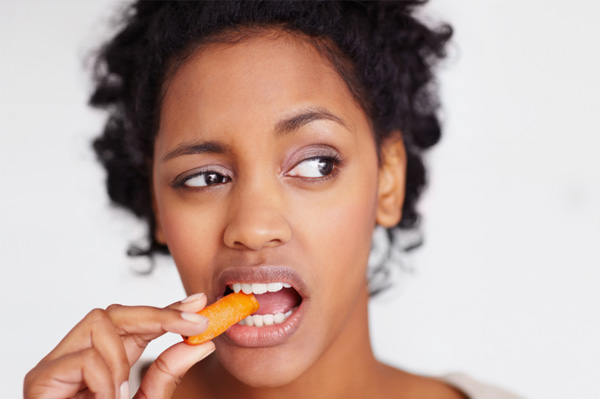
[[166, 372]]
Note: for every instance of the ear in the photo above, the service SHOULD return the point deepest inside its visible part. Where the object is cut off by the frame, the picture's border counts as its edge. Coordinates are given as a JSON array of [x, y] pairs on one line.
[[158, 231], [392, 180]]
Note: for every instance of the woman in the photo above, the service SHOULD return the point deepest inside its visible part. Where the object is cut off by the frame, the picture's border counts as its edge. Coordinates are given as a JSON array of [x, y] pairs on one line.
[[263, 142]]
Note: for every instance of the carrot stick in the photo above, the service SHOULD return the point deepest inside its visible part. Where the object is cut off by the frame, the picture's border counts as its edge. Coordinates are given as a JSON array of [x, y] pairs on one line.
[[223, 314]]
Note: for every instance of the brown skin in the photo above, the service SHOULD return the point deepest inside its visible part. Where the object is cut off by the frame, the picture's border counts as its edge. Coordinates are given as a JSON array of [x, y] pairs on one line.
[[273, 209], [265, 216], [95, 357], [340, 373]]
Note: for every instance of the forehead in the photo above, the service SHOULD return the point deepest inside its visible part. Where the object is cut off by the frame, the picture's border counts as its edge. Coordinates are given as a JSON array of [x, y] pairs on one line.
[[269, 75]]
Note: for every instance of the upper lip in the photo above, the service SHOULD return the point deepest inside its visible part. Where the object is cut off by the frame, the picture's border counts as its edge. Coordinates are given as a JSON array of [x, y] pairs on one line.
[[261, 274]]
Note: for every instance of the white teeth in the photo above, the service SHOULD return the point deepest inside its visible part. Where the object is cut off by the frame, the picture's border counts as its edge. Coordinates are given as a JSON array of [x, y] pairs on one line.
[[261, 288], [258, 320], [268, 319], [274, 287], [279, 318], [247, 288], [258, 288]]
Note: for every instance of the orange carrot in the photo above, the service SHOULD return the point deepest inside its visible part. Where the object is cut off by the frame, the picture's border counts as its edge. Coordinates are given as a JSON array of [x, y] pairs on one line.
[[223, 314]]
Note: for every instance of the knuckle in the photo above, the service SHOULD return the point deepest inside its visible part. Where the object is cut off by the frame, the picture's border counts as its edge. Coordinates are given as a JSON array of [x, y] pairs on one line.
[[112, 312], [91, 356], [114, 308], [163, 367], [36, 381], [96, 315], [29, 379], [140, 341]]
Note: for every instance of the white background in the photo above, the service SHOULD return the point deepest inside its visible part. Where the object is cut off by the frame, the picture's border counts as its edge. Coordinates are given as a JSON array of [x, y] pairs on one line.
[[506, 287]]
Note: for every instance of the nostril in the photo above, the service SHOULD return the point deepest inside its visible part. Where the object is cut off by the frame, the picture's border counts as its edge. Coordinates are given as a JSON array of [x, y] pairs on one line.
[[257, 243], [256, 229]]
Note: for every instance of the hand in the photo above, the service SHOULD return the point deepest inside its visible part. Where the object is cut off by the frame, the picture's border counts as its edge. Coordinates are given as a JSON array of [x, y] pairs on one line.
[[94, 359]]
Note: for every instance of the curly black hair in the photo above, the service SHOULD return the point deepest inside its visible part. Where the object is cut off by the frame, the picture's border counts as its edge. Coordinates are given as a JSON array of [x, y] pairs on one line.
[[382, 51]]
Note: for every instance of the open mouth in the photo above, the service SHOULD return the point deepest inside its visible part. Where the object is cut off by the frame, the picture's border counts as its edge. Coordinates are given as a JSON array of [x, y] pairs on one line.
[[278, 301], [284, 300]]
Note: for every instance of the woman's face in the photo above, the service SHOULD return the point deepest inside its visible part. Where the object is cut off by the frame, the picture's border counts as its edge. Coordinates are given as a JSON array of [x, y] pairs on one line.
[[265, 171]]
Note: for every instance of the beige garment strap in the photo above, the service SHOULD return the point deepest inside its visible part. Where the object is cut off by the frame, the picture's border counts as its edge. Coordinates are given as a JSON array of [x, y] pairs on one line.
[[475, 389]]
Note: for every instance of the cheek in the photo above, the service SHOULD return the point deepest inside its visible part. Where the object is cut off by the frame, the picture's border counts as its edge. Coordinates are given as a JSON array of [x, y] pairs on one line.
[[191, 233], [340, 231], [350, 229]]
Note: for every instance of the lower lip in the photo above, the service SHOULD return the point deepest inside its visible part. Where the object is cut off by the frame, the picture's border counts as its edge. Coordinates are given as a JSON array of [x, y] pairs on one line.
[[259, 337]]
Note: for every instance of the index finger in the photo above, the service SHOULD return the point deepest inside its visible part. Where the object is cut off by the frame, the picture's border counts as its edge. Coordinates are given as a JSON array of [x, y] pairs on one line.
[[136, 324], [148, 323]]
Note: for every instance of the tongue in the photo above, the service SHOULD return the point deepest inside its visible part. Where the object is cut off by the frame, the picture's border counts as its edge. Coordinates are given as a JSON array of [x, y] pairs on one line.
[[277, 302]]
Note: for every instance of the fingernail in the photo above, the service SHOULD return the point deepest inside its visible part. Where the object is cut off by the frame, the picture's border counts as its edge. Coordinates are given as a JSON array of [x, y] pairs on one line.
[[194, 318], [209, 353], [193, 298], [124, 390]]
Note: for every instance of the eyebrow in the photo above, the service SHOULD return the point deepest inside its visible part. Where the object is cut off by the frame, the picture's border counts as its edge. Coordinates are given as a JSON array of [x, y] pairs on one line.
[[282, 127], [305, 117], [211, 147]]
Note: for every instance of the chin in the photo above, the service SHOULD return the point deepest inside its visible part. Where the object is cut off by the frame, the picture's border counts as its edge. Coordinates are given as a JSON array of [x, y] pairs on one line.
[[263, 367]]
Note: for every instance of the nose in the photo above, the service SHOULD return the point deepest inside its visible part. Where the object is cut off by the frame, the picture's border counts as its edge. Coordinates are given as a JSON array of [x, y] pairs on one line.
[[257, 220]]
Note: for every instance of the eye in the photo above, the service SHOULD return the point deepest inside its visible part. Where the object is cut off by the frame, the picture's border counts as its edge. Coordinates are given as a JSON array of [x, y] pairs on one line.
[[314, 167], [205, 179]]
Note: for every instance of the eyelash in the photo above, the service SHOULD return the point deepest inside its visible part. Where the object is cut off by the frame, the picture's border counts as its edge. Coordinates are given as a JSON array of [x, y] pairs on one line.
[[333, 158], [180, 181]]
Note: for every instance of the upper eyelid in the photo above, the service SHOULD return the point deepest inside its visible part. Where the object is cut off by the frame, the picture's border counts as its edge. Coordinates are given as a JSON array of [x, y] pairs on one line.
[[310, 153], [181, 178], [330, 157], [335, 159]]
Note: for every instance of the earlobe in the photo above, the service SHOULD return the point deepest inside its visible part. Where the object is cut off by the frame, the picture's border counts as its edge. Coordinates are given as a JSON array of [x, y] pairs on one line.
[[158, 231], [392, 180]]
